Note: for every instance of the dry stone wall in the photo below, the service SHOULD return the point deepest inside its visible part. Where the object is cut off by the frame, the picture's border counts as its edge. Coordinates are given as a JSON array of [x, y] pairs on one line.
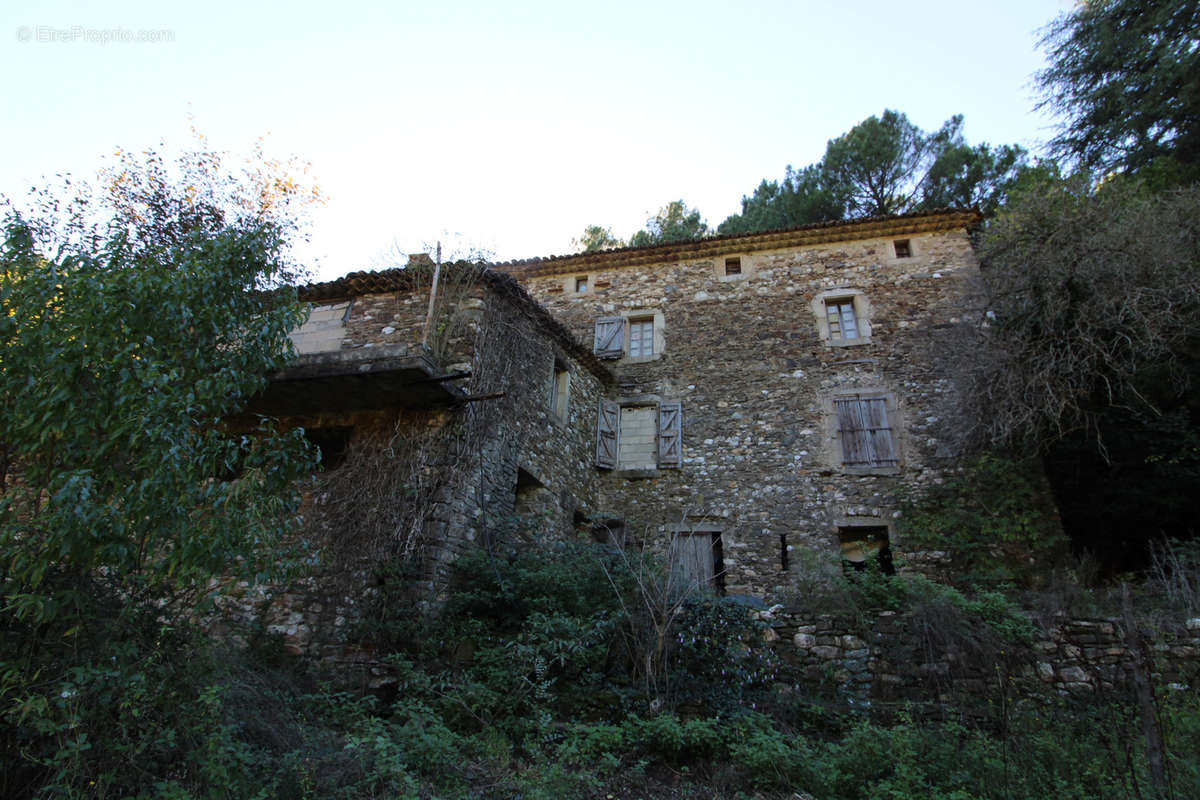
[[1071, 656]]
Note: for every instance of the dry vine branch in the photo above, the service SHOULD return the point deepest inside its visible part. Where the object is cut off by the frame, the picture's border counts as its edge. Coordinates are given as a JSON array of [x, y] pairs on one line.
[[1095, 303]]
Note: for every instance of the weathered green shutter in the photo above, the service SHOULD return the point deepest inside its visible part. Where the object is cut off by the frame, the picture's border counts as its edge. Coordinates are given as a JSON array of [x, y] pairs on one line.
[[610, 337], [608, 422], [670, 434]]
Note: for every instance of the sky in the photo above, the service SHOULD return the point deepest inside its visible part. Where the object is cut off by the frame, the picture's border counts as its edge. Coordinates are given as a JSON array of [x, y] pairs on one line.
[[504, 127]]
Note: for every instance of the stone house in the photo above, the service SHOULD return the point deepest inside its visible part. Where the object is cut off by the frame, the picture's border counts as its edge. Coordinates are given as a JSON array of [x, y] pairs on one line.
[[801, 380], [440, 426], [754, 405], [748, 401]]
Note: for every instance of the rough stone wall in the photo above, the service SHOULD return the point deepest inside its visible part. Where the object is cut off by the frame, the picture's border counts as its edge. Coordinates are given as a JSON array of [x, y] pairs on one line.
[[499, 464], [747, 358], [1075, 656]]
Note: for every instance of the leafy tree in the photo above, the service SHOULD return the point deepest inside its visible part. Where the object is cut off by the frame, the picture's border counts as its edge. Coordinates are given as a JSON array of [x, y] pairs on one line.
[[132, 323], [884, 165], [1126, 75], [674, 222], [1091, 354], [596, 238], [880, 164], [801, 198], [967, 177]]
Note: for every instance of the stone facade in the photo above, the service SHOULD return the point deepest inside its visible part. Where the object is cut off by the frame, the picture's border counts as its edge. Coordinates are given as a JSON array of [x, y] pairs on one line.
[[436, 438], [773, 345]]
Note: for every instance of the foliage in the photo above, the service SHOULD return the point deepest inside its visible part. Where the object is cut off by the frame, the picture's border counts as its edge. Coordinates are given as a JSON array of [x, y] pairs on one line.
[[131, 326], [596, 237], [880, 163], [674, 222], [532, 704], [884, 165], [1175, 576], [801, 198], [996, 518], [722, 661], [1094, 303], [1126, 76]]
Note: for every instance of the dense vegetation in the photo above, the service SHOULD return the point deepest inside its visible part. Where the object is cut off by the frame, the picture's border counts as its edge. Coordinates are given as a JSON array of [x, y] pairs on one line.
[[534, 683]]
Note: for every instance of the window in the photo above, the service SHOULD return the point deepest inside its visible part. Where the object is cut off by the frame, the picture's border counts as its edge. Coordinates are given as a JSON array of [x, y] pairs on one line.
[[843, 317], [560, 386], [903, 248], [733, 266], [643, 435], [635, 334], [581, 284], [641, 337], [864, 432], [865, 547], [324, 329], [843, 323]]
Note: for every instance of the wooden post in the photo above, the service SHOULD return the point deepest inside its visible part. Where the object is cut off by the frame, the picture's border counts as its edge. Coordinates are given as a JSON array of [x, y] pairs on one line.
[[1155, 748], [437, 271]]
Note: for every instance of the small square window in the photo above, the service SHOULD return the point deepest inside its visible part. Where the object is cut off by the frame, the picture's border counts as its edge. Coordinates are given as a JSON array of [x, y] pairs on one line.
[[843, 323], [733, 266], [903, 248], [581, 284], [641, 337]]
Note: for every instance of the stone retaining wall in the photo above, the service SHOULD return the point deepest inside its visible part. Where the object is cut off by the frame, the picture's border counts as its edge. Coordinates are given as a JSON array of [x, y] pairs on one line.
[[1072, 656]]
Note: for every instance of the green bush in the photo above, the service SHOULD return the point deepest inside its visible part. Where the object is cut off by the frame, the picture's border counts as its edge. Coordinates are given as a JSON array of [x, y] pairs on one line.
[[996, 516]]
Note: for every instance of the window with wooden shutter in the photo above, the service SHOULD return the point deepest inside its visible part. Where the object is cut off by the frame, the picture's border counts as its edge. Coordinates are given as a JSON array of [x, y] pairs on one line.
[[610, 337], [641, 338], [843, 322], [865, 432], [608, 423], [670, 434]]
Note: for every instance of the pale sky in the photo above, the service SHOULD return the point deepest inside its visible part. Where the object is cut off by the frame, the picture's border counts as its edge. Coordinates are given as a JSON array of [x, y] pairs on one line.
[[505, 126]]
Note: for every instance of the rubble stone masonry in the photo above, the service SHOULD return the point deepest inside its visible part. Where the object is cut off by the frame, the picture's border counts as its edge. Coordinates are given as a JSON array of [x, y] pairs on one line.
[[753, 360]]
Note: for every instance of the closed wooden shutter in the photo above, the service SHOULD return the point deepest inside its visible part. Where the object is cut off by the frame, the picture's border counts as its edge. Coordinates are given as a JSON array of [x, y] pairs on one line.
[[608, 422], [610, 337], [865, 433], [670, 434]]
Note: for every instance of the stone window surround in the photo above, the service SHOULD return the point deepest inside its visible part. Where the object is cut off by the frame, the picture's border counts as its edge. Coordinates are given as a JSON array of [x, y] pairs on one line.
[[832, 450], [560, 390], [748, 267], [660, 340], [866, 523], [862, 315], [889, 249], [570, 280], [642, 401]]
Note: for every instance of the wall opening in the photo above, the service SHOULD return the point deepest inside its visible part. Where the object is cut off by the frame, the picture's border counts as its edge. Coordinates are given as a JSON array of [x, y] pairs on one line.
[[865, 547], [333, 443], [697, 562]]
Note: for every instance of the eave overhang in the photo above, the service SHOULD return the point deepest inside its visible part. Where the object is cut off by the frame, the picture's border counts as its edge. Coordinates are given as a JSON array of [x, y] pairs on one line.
[[365, 379]]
